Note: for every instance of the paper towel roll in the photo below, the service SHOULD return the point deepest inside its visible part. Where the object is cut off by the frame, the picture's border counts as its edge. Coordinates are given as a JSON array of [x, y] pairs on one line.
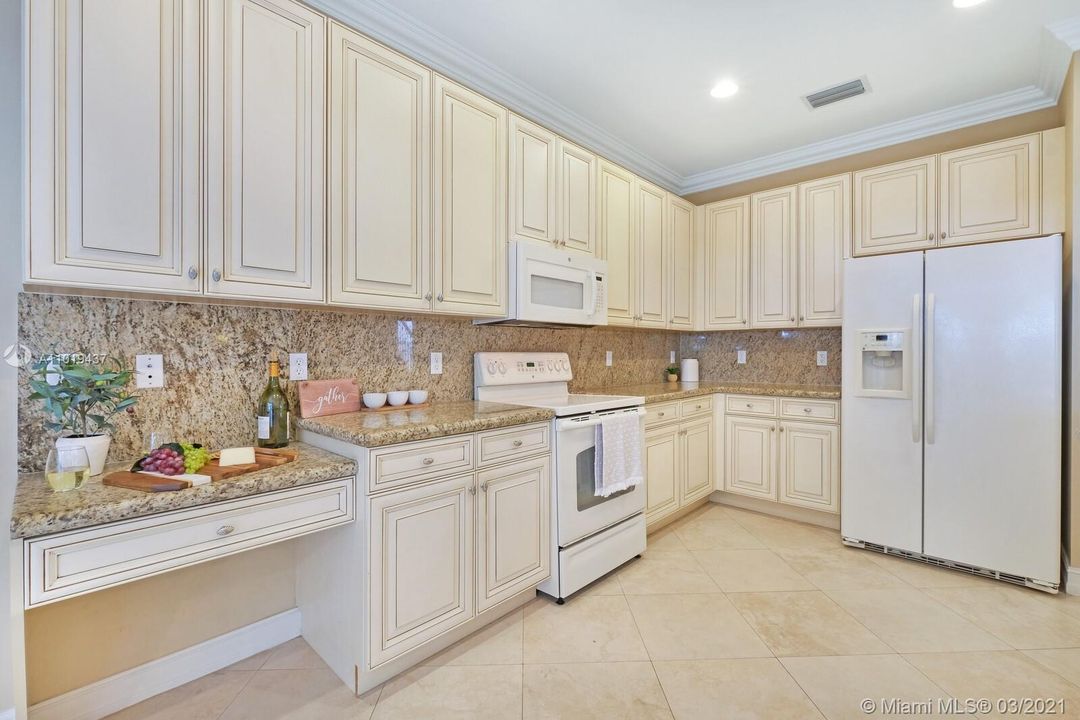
[[689, 370]]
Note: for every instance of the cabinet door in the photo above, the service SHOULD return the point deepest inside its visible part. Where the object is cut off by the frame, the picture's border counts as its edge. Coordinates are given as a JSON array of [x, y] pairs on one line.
[[896, 207], [577, 198], [533, 174], [727, 264], [617, 241], [513, 530], [421, 546], [810, 465], [824, 231], [773, 228], [991, 192], [681, 276], [113, 158], [266, 108], [470, 202], [654, 260], [662, 466], [751, 453], [380, 175], [697, 460]]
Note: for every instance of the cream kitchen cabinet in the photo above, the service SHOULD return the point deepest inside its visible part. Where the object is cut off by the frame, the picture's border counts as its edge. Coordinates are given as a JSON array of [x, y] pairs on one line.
[[750, 449], [577, 197], [265, 147], [727, 265], [896, 207], [680, 456], [469, 167], [113, 183], [616, 226], [681, 258], [379, 202], [534, 158], [809, 465], [824, 231], [663, 463], [698, 460], [653, 255], [773, 248]]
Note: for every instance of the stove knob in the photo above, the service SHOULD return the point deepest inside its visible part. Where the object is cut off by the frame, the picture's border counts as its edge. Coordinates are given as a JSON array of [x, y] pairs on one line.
[[565, 364], [502, 368], [492, 367]]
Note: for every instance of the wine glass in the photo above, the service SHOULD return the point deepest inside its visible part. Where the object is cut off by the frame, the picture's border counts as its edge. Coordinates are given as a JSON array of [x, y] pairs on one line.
[[67, 468], [155, 439]]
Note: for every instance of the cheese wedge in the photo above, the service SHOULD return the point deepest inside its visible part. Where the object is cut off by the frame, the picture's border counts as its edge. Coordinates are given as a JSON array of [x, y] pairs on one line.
[[237, 456]]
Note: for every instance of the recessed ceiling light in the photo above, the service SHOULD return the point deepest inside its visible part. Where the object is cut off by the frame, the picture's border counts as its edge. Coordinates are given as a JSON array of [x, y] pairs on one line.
[[967, 3], [724, 89]]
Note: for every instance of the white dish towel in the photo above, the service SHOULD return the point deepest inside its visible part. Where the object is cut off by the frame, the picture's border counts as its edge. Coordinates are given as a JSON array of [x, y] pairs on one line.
[[618, 454]]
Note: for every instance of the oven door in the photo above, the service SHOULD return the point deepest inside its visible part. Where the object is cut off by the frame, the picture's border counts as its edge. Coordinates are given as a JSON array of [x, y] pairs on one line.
[[581, 512], [556, 286]]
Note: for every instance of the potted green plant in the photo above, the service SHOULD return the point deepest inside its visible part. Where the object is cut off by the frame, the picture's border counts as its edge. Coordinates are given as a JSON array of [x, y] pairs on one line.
[[673, 373], [81, 399]]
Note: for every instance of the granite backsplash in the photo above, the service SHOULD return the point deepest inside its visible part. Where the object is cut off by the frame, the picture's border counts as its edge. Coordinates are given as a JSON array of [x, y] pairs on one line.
[[215, 358]]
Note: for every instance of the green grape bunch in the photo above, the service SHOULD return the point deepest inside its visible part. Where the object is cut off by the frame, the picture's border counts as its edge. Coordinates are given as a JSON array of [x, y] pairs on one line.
[[195, 456]]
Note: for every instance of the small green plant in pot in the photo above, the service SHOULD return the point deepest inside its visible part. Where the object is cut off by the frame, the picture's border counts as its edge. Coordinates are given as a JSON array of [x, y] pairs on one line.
[[673, 373], [81, 400]]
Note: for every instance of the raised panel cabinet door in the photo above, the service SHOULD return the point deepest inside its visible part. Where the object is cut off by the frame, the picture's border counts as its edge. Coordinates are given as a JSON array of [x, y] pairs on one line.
[[577, 198], [470, 202], [266, 112], [824, 231], [654, 255], [380, 175], [513, 530], [533, 175], [810, 465], [662, 468], [421, 559], [895, 207], [773, 247], [727, 264], [698, 460], [751, 457], [991, 192], [616, 225], [681, 283], [113, 156]]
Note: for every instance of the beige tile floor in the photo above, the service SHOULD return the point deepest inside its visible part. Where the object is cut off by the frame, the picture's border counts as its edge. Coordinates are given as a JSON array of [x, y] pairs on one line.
[[730, 614]]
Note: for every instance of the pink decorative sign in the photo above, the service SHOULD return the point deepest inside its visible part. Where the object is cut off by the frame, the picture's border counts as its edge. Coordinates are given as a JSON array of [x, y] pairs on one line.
[[328, 397]]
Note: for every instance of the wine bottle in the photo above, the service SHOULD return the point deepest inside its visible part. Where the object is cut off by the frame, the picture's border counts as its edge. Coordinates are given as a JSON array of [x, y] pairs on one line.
[[273, 410]]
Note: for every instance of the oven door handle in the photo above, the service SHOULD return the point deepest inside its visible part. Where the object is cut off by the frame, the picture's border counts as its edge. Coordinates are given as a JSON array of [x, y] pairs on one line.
[[594, 419]]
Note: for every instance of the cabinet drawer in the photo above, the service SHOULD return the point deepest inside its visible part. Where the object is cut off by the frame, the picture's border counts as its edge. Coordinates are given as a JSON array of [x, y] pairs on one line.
[[404, 464], [499, 445], [809, 409], [752, 405], [696, 406], [661, 413], [80, 561]]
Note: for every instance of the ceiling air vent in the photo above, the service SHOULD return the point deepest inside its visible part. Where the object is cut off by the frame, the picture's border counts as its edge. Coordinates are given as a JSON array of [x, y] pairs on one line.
[[836, 93]]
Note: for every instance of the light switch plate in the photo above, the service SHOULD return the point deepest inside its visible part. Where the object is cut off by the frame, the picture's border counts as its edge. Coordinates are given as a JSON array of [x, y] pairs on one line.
[[607, 358], [298, 366], [740, 357], [149, 371], [672, 359], [436, 363], [822, 358]]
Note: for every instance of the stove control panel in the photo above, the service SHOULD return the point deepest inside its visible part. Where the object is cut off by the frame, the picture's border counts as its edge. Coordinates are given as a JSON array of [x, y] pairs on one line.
[[493, 368]]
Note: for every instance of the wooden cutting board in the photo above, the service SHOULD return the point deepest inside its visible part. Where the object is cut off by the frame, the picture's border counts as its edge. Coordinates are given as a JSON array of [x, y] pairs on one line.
[[264, 458]]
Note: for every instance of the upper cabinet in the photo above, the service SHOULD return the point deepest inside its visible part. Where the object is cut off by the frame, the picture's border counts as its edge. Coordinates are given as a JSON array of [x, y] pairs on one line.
[[379, 200], [114, 152], [727, 265], [533, 173], [773, 224], [469, 170], [615, 226], [654, 256], [577, 198], [896, 207], [681, 276], [824, 232], [266, 113]]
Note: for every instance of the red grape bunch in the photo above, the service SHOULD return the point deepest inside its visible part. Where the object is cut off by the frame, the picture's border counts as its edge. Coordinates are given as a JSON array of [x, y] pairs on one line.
[[164, 460]]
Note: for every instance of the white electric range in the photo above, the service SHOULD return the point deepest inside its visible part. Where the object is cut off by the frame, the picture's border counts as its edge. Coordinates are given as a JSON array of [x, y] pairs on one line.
[[592, 535]]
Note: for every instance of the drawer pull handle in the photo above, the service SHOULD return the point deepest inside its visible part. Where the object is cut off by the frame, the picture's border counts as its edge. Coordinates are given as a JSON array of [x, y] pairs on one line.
[[518, 443], [697, 407], [806, 410], [749, 405], [660, 414], [225, 530], [428, 461]]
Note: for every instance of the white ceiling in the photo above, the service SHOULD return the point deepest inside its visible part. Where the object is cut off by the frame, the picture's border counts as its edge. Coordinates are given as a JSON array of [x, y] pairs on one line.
[[631, 78]]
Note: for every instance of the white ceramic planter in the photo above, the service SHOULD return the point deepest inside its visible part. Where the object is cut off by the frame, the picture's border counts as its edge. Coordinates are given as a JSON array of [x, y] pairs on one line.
[[96, 446]]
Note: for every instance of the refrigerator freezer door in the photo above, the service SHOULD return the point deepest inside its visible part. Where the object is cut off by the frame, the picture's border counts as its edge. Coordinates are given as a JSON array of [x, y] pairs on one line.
[[881, 447], [993, 406]]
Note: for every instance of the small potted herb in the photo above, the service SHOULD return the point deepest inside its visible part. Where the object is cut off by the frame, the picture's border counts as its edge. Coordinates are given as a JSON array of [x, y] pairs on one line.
[[80, 399], [673, 374]]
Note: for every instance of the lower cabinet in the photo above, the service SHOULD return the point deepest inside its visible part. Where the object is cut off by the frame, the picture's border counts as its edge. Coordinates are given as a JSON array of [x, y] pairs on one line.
[[679, 460], [661, 472], [751, 450], [809, 465]]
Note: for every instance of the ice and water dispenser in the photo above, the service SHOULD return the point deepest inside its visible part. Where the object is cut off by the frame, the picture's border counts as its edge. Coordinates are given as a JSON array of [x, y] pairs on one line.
[[883, 366]]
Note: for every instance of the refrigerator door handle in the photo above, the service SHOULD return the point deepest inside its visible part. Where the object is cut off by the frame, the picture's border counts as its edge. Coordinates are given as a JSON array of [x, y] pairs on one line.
[[916, 368], [928, 380]]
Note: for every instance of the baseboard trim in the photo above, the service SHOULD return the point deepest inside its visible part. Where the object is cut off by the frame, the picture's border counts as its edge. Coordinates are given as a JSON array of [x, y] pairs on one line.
[[1072, 580], [768, 507], [124, 689]]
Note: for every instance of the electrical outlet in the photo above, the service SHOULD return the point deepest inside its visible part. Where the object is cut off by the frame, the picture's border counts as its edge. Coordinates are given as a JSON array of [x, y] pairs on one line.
[[298, 366], [436, 363], [149, 371], [672, 359], [607, 358], [740, 357], [822, 358]]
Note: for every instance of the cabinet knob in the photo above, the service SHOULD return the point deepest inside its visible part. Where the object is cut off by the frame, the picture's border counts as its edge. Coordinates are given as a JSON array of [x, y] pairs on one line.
[[428, 461], [193, 272], [483, 487], [697, 407], [428, 297], [472, 490], [749, 406], [517, 443], [943, 234], [781, 429], [225, 530], [439, 297], [660, 414], [930, 236], [806, 410], [216, 275]]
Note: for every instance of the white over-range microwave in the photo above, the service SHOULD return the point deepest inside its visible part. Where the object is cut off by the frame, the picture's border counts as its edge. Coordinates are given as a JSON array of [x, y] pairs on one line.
[[554, 287]]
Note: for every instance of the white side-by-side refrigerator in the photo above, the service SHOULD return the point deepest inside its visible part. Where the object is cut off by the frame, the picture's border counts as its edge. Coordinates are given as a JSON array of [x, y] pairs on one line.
[[951, 409]]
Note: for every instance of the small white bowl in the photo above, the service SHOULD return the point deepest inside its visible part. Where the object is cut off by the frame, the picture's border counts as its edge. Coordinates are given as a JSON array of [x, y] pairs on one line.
[[374, 400], [398, 398], [417, 397]]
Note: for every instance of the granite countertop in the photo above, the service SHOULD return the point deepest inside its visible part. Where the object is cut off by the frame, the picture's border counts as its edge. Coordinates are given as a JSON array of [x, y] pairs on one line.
[[39, 511], [665, 391], [375, 429]]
